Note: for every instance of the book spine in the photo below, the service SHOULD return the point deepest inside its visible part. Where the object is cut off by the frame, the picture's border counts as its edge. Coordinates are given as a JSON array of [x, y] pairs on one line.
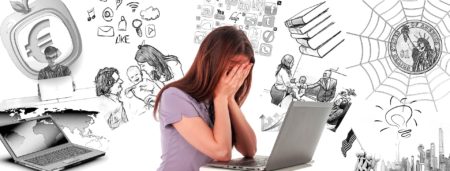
[[294, 22], [303, 42], [308, 51], [296, 30], [324, 52]]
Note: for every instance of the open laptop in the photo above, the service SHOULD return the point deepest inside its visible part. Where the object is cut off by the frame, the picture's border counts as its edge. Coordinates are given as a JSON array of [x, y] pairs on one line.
[[56, 88], [296, 142], [39, 143]]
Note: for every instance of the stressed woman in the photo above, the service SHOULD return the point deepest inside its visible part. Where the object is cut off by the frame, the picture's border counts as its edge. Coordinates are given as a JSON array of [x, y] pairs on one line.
[[200, 114]]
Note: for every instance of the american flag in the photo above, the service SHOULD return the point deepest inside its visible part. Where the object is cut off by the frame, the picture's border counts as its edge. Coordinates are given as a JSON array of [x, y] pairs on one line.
[[347, 143]]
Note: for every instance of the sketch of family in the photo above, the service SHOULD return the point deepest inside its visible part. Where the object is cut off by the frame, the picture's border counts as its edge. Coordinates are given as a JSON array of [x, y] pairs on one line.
[[286, 85], [152, 71], [287, 88]]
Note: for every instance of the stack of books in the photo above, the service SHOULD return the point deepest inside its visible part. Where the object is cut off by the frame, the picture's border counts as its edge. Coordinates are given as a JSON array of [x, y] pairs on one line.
[[313, 29]]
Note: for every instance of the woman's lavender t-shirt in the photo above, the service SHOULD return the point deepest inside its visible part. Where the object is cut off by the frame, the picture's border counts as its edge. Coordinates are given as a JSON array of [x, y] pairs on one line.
[[177, 153]]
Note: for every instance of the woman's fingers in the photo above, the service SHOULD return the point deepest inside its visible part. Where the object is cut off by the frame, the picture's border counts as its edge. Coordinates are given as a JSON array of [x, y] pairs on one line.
[[242, 74], [233, 72]]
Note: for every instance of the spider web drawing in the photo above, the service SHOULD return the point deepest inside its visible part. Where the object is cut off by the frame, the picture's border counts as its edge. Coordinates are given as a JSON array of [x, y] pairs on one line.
[[384, 76]]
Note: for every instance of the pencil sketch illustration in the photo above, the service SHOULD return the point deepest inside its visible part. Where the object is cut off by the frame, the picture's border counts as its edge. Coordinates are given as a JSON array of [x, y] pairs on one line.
[[288, 88], [91, 14], [109, 87], [122, 26], [341, 105], [326, 87], [283, 86], [141, 22], [323, 90], [256, 18], [144, 88], [313, 29], [430, 158], [404, 51], [53, 70], [150, 13], [108, 14], [137, 25], [118, 3], [419, 57], [133, 6], [400, 116], [366, 162], [158, 66], [105, 31]]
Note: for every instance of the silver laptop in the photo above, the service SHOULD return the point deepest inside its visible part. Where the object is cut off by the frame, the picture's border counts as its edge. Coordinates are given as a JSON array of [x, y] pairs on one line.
[[56, 88], [296, 141], [39, 143]]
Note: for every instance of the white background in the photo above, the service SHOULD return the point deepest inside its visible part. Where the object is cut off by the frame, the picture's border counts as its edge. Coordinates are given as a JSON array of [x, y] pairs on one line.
[[137, 145]]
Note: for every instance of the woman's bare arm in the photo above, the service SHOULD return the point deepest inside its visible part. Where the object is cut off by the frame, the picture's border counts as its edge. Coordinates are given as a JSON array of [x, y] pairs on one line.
[[244, 135], [215, 142]]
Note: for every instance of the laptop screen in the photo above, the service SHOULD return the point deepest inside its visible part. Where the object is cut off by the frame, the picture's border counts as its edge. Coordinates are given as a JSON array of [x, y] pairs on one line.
[[32, 136]]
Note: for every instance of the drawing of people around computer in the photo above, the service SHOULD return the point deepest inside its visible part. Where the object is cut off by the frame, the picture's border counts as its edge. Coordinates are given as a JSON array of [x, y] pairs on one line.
[[109, 87]]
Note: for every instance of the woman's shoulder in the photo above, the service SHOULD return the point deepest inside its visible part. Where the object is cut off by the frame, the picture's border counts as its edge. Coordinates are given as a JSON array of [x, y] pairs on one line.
[[174, 92]]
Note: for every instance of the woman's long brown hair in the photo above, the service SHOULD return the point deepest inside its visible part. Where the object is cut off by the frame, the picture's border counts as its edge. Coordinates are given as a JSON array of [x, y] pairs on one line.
[[212, 60]]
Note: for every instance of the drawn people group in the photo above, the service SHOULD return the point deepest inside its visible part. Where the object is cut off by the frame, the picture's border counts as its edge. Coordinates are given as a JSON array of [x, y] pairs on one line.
[[286, 85], [152, 71]]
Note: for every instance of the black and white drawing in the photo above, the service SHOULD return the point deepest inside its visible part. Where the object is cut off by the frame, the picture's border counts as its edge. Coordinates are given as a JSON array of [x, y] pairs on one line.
[[105, 31], [341, 105], [122, 26], [366, 162], [272, 123], [157, 65], [347, 143], [431, 158], [399, 115], [133, 6], [255, 17], [150, 13], [109, 87], [283, 86], [325, 87], [143, 87], [108, 14], [91, 14], [137, 25], [409, 39], [150, 31], [313, 29], [53, 70], [324, 90], [118, 3]]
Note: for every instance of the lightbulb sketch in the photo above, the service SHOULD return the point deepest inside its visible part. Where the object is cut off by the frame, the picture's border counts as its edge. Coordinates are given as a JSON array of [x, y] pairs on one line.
[[404, 49], [399, 115]]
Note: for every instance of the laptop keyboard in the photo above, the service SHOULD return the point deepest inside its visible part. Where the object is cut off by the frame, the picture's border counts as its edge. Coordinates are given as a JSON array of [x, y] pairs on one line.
[[249, 162], [58, 155]]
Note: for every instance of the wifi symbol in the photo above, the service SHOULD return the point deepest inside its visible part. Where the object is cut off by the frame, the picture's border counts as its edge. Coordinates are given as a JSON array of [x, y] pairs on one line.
[[133, 5]]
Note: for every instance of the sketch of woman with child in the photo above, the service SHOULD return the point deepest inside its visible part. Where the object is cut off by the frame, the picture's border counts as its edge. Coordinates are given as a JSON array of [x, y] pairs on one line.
[[154, 70], [158, 66]]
